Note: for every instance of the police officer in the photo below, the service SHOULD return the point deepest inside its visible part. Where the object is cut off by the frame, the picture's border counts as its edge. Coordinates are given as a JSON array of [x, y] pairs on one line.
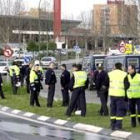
[[50, 81], [40, 74], [22, 72], [34, 82], [28, 70], [64, 80], [78, 84], [1, 84], [102, 84], [15, 77], [117, 87], [133, 94]]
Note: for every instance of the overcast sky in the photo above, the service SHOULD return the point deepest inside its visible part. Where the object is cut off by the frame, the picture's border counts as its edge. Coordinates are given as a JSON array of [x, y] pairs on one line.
[[70, 8]]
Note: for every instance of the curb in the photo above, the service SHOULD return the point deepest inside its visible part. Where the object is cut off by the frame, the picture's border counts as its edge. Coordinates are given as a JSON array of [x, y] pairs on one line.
[[71, 125]]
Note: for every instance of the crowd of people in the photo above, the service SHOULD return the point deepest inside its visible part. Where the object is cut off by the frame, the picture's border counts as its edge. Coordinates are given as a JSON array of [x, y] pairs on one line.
[[124, 91], [122, 87], [75, 82]]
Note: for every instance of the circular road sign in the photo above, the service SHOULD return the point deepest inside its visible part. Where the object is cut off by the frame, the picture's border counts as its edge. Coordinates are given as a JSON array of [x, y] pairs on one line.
[[8, 52], [122, 49]]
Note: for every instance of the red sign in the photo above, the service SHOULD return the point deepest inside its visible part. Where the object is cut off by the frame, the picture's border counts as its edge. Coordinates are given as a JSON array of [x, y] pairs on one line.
[[8, 52], [122, 49]]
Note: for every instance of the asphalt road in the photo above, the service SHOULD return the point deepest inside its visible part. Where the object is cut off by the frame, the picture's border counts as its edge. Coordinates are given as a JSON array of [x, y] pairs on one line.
[[18, 129]]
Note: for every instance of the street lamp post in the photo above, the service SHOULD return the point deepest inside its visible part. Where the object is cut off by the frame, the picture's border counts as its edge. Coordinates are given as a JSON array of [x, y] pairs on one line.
[[105, 17], [39, 26]]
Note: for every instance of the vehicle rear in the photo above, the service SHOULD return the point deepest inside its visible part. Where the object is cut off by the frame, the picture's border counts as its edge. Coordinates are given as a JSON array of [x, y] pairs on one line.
[[4, 65], [125, 60], [45, 62], [133, 60], [109, 62]]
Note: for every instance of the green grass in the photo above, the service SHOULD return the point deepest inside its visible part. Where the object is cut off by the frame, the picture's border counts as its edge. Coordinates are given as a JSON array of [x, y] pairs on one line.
[[21, 101]]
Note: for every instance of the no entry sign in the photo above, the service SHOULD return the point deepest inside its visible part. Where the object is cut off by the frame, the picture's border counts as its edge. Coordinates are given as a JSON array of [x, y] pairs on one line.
[[8, 52]]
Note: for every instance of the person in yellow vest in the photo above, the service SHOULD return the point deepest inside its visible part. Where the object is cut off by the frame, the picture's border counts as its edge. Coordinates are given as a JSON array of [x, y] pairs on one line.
[[14, 72], [117, 93], [34, 82], [133, 94], [78, 84]]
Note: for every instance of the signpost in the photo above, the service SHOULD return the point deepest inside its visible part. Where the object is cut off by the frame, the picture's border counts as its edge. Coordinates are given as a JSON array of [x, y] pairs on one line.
[[8, 52], [77, 50]]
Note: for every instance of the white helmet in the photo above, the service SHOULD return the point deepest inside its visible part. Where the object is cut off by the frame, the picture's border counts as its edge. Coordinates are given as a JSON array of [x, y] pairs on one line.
[[37, 62]]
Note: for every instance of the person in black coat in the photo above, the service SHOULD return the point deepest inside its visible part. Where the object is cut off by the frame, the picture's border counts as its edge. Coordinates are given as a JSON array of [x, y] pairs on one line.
[[65, 80], [102, 85], [1, 91], [50, 81]]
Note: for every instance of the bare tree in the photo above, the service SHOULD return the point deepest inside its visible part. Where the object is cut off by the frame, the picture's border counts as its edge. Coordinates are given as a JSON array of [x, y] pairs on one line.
[[9, 8]]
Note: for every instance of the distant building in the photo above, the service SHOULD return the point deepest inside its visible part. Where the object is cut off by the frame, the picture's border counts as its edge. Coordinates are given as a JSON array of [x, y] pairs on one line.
[[35, 13], [118, 18]]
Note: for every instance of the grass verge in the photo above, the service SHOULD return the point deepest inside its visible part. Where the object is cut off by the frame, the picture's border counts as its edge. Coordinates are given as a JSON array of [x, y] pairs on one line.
[[21, 101]]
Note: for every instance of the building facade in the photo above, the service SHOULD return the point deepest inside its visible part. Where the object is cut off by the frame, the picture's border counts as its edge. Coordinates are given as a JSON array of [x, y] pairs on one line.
[[115, 19]]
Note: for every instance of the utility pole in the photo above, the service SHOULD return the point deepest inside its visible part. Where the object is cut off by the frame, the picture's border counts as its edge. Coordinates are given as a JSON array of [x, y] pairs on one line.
[[39, 25], [105, 22]]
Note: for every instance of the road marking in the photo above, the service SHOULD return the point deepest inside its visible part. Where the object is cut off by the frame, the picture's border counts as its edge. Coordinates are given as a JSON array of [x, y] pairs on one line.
[[28, 114], [85, 127], [15, 111], [38, 122], [5, 108], [43, 118], [60, 122], [121, 134]]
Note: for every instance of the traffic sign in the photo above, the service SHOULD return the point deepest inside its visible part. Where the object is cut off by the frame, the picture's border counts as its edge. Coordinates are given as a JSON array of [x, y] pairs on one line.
[[122, 44], [122, 49], [8, 52], [77, 49], [27, 59]]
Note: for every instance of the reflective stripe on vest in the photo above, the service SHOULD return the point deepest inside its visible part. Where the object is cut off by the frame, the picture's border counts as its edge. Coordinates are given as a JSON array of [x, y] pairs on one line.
[[116, 78], [80, 79], [134, 89]]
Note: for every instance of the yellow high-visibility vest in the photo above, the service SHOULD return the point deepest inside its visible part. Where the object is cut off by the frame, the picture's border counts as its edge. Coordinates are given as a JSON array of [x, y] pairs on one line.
[[116, 85], [80, 79], [134, 89], [33, 77], [14, 68]]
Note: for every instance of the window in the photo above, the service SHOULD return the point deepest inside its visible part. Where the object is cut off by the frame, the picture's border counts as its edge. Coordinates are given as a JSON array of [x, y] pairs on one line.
[[3, 64], [133, 61], [119, 61], [46, 59], [99, 61], [110, 63]]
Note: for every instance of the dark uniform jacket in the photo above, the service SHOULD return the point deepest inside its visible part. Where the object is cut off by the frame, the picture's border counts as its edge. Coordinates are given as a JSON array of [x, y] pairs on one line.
[[65, 79], [27, 72], [50, 77], [1, 81], [102, 80]]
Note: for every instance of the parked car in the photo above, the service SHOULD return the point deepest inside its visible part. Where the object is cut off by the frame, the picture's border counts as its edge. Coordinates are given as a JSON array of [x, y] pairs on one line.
[[4, 66], [22, 61], [45, 61]]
